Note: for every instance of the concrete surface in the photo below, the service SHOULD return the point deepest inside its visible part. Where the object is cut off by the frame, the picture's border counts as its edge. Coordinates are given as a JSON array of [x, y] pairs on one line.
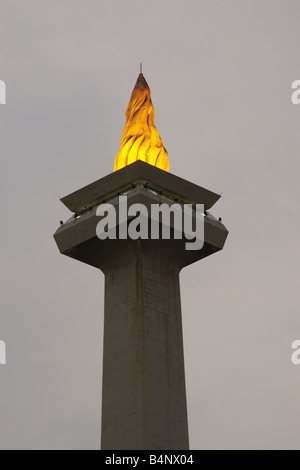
[[104, 188], [144, 396]]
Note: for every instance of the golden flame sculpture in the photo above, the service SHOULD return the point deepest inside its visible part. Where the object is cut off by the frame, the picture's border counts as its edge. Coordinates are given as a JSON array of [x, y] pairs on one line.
[[140, 139]]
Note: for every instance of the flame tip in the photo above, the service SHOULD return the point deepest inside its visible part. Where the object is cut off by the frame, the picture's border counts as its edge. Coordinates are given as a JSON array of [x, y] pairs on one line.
[[140, 139]]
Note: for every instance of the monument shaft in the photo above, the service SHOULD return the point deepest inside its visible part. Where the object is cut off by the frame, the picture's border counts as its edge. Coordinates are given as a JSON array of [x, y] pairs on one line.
[[144, 395]]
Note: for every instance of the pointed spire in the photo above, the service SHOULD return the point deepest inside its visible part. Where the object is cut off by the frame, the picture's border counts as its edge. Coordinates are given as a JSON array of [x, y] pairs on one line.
[[141, 83]]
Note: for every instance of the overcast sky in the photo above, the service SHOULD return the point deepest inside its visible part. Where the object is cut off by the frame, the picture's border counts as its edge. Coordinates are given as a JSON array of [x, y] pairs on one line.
[[220, 73]]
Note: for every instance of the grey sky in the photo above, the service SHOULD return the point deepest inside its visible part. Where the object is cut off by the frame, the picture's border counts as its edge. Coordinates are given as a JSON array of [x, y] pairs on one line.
[[220, 73]]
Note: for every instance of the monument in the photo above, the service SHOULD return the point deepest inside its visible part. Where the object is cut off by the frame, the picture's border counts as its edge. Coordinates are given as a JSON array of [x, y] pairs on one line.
[[143, 391]]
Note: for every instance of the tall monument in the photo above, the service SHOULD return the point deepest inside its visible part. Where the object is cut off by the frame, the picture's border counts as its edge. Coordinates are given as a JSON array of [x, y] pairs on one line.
[[143, 391]]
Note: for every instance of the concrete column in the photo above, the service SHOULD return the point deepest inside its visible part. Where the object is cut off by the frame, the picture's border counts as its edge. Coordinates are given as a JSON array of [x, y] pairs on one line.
[[144, 394]]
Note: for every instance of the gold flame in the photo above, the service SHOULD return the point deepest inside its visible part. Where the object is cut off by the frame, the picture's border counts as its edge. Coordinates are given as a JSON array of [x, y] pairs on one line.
[[140, 139]]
